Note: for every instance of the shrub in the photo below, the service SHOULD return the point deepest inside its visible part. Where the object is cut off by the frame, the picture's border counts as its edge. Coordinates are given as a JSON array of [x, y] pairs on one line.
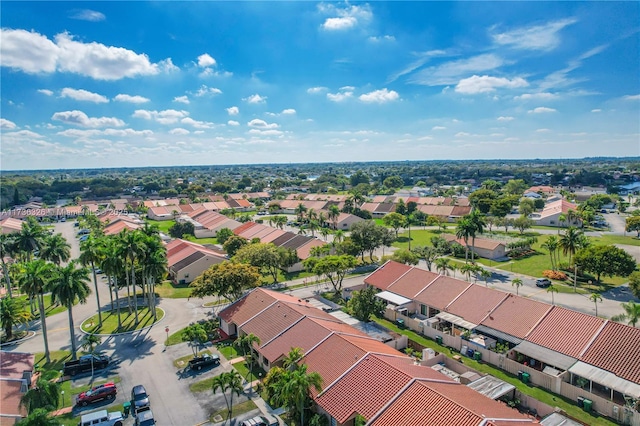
[[555, 275]]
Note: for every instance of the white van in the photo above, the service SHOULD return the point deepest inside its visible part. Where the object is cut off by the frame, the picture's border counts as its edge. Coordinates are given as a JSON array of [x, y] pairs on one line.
[[102, 418]]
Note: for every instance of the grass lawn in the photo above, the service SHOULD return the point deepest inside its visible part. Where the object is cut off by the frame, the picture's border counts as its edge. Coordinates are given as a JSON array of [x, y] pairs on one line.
[[418, 238], [243, 369], [228, 351], [236, 410], [110, 321], [209, 240], [71, 392], [49, 308], [182, 362], [163, 225], [175, 338], [58, 358], [202, 385], [170, 290], [535, 392]]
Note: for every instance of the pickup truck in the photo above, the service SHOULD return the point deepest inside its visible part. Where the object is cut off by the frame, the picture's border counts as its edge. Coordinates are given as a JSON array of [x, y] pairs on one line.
[[199, 362], [82, 365]]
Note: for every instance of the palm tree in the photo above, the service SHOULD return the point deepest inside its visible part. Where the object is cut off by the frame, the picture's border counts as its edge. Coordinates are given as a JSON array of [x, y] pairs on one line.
[[478, 223], [296, 389], [595, 298], [7, 248], [34, 281], [632, 313], [88, 343], [246, 343], [570, 242], [552, 245], [44, 395], [467, 269], [464, 230], [12, 312], [300, 210], [338, 236], [333, 214], [517, 283], [325, 232], [69, 284], [131, 247], [39, 417], [561, 220], [552, 289], [90, 255], [290, 361], [30, 237], [55, 249], [313, 227], [155, 266], [280, 221], [571, 216], [232, 382], [113, 266], [485, 274], [442, 265]]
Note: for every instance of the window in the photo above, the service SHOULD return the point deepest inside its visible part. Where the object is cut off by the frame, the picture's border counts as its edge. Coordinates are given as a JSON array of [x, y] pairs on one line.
[[423, 309]]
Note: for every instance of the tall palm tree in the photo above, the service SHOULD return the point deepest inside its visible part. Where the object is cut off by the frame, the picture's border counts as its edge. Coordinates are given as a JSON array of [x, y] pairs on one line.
[[477, 219], [338, 236], [155, 267], [30, 238], [296, 390], [231, 382], [632, 312], [333, 214], [56, 249], [570, 242], [442, 265], [517, 283], [7, 249], [290, 361], [88, 343], [34, 280], [69, 284], [467, 269], [465, 229], [552, 244], [113, 266], [552, 289], [12, 312], [131, 247], [300, 210], [595, 298], [246, 342], [90, 255]]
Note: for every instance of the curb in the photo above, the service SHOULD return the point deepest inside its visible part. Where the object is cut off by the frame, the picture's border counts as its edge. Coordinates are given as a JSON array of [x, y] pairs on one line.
[[124, 332], [30, 335]]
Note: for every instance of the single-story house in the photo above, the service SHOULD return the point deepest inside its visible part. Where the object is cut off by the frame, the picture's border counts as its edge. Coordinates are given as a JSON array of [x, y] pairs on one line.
[[483, 247], [187, 260]]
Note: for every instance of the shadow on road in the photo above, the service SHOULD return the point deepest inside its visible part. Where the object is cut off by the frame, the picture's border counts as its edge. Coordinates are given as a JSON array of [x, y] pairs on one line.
[[620, 294]]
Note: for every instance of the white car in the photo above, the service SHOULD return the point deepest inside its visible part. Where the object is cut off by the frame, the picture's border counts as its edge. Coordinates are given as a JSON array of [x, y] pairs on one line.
[[102, 418]]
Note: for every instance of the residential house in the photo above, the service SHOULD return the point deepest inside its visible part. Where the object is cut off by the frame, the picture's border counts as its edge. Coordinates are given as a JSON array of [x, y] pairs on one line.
[[207, 223], [10, 225], [483, 247], [16, 376], [187, 260]]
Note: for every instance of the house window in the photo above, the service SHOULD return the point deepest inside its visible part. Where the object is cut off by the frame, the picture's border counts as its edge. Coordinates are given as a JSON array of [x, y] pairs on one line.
[[186, 275], [553, 222], [423, 309]]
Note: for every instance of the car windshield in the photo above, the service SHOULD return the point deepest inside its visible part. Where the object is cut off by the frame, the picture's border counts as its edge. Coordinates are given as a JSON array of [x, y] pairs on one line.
[[141, 395]]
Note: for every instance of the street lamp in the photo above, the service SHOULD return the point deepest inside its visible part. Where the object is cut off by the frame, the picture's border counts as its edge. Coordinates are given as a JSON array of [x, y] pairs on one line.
[[167, 331], [62, 393]]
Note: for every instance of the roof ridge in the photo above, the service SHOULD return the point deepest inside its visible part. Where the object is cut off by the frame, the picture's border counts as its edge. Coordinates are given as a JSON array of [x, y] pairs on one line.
[[593, 338], [458, 296], [398, 279], [539, 321]]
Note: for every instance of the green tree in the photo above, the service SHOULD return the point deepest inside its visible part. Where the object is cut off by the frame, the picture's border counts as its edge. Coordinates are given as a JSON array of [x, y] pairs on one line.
[[428, 254], [517, 283], [442, 265], [634, 283], [131, 248], [552, 244], [464, 230], [12, 312], [368, 236], [226, 280], [334, 268], [477, 220], [245, 343], [264, 256], [300, 211], [34, 280], [607, 260], [515, 187], [522, 223], [552, 289], [88, 344], [90, 255], [68, 285], [196, 335], [631, 312], [233, 244], [405, 256], [45, 395], [228, 382], [30, 238], [223, 235], [394, 220], [482, 199], [364, 303], [179, 229], [291, 388], [393, 182], [56, 249], [113, 266], [501, 207], [7, 249], [526, 207], [633, 225], [595, 298], [39, 417]]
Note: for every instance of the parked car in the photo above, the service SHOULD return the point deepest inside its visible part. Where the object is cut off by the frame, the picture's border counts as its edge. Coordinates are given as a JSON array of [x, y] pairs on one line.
[[85, 363], [145, 418], [97, 393], [206, 360], [543, 282], [102, 418], [83, 232], [139, 399], [261, 421]]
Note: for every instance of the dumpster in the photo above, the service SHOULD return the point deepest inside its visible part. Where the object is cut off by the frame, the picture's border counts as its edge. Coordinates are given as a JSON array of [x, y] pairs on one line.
[[581, 401], [525, 377], [126, 407], [588, 405], [400, 323], [520, 373], [477, 355], [439, 340]]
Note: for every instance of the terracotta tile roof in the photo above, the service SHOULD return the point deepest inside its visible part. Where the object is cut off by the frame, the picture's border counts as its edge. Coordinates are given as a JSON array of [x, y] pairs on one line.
[[179, 250], [413, 282], [616, 349], [370, 207], [369, 386], [14, 364], [272, 321], [442, 292], [565, 331], [483, 243], [304, 251], [252, 303], [476, 302], [10, 225], [459, 211], [240, 229], [304, 334], [275, 234], [516, 316], [385, 275], [119, 226], [10, 396]]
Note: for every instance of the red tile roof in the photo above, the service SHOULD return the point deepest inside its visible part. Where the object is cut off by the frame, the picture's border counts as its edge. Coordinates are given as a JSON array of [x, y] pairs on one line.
[[14, 364], [412, 283], [566, 331], [476, 303], [305, 334], [616, 349], [240, 229], [253, 303], [441, 292], [382, 277], [516, 316], [272, 321], [482, 243]]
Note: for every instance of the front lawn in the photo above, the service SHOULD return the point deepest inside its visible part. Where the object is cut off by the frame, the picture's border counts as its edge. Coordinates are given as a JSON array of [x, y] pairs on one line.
[[236, 410], [243, 368], [170, 290], [228, 350], [110, 321]]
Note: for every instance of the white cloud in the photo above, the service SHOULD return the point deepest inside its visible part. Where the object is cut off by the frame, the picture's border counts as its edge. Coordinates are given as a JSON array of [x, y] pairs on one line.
[[316, 90], [451, 72], [462, 134], [485, 84], [34, 53], [596, 110], [168, 116], [536, 37], [131, 99], [83, 134], [288, 111], [45, 92], [380, 96], [631, 97], [197, 124], [261, 124], [546, 96], [83, 95], [255, 99], [233, 110], [543, 130], [345, 18], [205, 60], [376, 39], [233, 123], [79, 118], [179, 131], [541, 110], [505, 118], [6, 124], [88, 15], [204, 90], [339, 97], [182, 99], [270, 132], [438, 128]]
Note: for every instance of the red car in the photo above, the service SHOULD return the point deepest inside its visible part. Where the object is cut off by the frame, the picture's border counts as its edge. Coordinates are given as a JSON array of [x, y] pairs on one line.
[[98, 393]]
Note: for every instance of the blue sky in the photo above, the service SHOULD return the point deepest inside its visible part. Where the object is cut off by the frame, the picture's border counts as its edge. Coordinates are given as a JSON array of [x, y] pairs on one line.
[[106, 84]]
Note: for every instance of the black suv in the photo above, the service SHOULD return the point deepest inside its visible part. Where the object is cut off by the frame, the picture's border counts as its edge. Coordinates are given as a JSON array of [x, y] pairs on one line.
[[543, 282], [139, 399]]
